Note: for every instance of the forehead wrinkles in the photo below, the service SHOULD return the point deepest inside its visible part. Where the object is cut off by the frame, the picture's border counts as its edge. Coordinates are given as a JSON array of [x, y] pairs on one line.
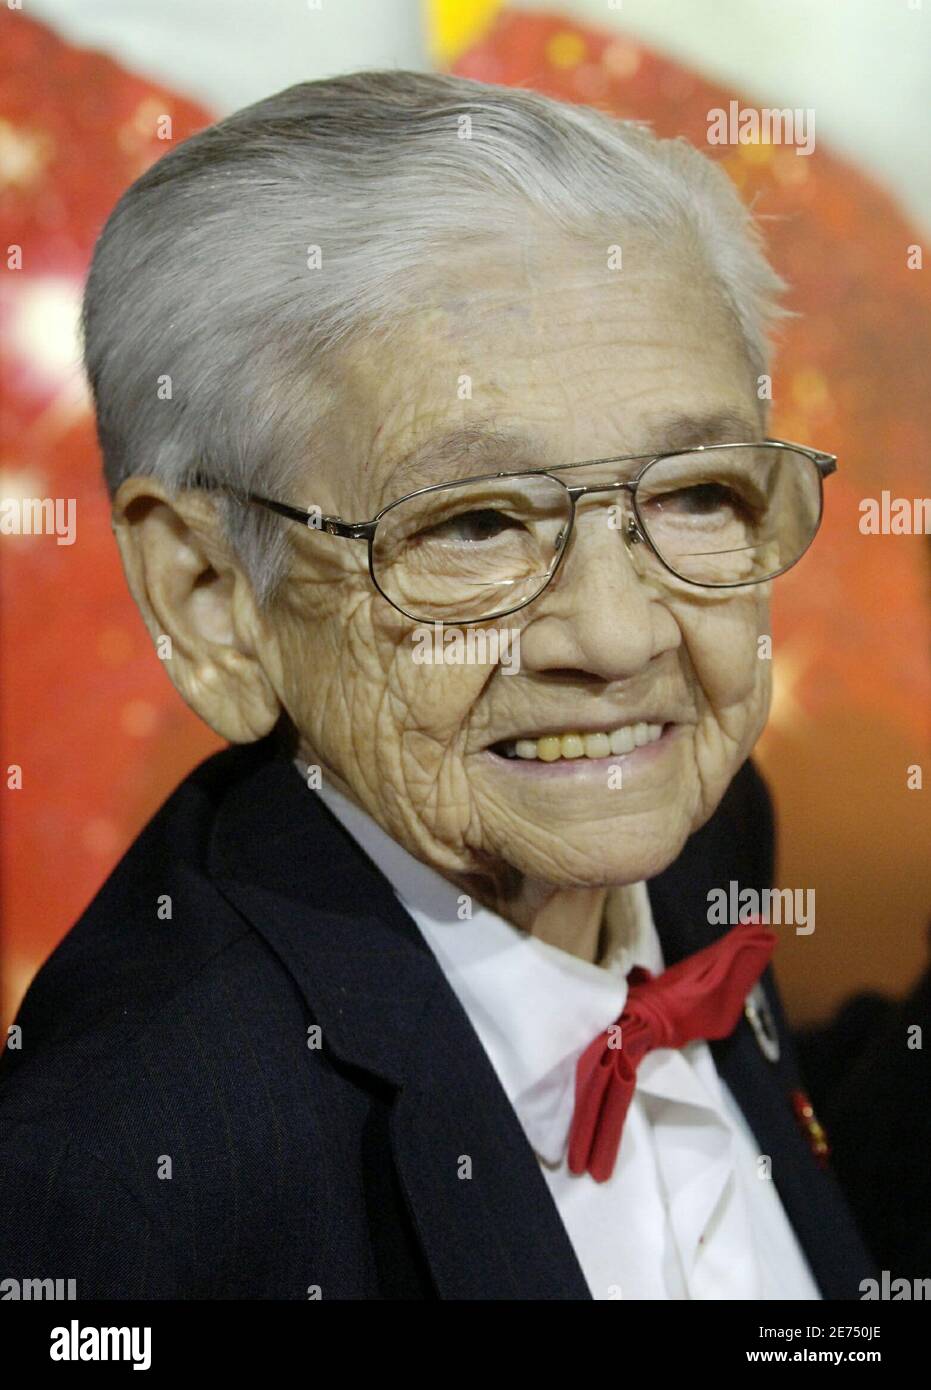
[[396, 376], [516, 271], [475, 447], [562, 305]]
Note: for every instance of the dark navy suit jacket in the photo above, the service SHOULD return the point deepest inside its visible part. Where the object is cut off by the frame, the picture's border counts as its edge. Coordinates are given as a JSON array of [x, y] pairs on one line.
[[166, 1131]]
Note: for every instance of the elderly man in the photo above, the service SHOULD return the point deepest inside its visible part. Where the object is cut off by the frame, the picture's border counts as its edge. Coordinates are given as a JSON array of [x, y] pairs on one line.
[[431, 416]]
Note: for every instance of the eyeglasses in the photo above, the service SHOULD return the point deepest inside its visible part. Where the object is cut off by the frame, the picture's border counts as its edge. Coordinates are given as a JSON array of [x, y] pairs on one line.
[[718, 516]]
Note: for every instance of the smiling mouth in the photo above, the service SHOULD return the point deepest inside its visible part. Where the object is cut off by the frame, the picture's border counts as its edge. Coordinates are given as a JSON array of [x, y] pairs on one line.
[[551, 748]]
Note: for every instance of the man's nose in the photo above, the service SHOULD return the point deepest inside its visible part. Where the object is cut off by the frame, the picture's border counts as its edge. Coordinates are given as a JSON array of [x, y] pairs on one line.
[[600, 615]]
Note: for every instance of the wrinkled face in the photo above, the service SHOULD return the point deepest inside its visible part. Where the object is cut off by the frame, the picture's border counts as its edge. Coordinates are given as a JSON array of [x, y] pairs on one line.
[[660, 683]]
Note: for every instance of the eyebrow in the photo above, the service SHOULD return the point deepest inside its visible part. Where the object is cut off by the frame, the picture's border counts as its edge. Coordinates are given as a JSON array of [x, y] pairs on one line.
[[719, 427], [483, 447]]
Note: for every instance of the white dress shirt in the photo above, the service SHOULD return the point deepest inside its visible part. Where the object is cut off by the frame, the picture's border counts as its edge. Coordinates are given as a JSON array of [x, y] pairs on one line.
[[685, 1214]]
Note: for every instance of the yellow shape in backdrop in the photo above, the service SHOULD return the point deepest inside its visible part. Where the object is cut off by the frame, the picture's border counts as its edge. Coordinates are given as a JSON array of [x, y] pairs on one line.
[[453, 26]]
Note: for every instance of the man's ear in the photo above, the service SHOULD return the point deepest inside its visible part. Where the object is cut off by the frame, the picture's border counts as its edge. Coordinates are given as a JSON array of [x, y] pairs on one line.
[[190, 589]]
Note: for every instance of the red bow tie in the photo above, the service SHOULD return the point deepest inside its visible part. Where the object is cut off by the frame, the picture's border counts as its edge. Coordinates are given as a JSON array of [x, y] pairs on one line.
[[700, 997]]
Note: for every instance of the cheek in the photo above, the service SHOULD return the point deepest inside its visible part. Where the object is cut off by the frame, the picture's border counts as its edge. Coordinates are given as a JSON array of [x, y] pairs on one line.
[[731, 666], [433, 694], [333, 670], [366, 690]]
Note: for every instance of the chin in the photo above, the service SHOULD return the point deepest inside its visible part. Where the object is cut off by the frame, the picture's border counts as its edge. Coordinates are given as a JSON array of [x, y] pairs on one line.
[[609, 853]]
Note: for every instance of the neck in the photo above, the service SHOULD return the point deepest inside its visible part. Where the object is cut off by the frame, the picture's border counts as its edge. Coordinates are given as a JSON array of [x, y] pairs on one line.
[[571, 919], [589, 923]]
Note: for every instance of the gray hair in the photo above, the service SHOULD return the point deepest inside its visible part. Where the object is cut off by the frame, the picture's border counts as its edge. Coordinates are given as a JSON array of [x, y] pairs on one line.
[[209, 343]]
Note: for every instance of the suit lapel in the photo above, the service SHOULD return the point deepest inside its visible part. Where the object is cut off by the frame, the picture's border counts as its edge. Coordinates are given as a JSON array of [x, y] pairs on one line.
[[810, 1195], [487, 1224], [486, 1220]]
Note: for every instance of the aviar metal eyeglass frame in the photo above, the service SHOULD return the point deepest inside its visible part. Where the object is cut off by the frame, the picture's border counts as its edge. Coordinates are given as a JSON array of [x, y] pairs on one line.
[[637, 529]]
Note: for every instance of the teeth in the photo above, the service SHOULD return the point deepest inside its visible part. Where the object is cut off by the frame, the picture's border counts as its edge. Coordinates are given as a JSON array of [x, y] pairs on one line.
[[622, 740], [597, 745], [571, 745]]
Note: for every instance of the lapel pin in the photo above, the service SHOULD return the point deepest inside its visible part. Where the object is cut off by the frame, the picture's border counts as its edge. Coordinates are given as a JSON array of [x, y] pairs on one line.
[[811, 1127], [760, 1019]]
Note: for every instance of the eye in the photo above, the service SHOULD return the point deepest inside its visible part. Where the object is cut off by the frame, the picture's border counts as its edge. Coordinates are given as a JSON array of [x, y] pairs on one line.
[[702, 499], [480, 524]]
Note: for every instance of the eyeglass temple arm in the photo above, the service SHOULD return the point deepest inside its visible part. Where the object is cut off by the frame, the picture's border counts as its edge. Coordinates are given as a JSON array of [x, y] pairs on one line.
[[825, 463], [351, 530]]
